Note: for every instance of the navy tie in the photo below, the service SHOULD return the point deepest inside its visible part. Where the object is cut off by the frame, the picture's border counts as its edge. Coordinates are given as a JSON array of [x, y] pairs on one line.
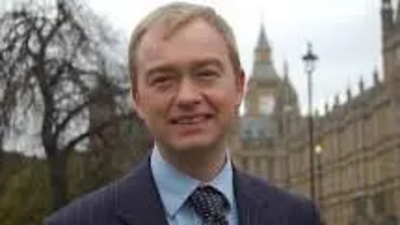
[[210, 205]]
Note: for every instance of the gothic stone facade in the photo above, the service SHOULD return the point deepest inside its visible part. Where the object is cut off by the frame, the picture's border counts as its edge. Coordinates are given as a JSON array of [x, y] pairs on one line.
[[357, 167]]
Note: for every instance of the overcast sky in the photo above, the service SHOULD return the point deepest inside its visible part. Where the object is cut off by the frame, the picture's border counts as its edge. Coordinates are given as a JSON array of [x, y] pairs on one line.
[[345, 35]]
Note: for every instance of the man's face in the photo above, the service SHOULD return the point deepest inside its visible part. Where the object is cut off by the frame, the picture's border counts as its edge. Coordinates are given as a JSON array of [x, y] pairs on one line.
[[187, 92]]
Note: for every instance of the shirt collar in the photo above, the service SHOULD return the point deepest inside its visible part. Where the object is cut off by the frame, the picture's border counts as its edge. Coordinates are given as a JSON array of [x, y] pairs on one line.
[[223, 182], [175, 187]]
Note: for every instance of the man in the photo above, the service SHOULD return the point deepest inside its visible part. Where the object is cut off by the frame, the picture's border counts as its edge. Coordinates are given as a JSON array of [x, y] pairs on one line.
[[187, 85]]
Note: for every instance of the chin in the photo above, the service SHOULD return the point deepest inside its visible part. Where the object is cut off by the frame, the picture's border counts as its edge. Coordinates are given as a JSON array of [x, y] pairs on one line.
[[193, 146], [183, 144]]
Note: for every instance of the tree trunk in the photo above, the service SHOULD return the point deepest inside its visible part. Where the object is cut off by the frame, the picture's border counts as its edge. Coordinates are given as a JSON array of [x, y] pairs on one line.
[[58, 180]]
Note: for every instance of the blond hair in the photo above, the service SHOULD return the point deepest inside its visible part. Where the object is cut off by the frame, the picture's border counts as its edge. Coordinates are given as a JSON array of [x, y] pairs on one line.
[[173, 17]]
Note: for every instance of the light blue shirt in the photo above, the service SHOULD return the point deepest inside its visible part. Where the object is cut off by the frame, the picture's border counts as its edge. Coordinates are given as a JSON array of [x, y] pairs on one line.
[[175, 187]]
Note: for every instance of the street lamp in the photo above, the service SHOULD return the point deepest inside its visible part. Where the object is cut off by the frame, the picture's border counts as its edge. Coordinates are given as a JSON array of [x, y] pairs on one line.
[[318, 151], [309, 60]]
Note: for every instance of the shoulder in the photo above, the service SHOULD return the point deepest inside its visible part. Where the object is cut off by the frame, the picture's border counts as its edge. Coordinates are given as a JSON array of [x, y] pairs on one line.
[[263, 188], [98, 207], [283, 203], [88, 209]]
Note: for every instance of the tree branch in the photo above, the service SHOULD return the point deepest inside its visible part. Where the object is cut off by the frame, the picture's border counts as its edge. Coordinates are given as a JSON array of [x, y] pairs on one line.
[[95, 130]]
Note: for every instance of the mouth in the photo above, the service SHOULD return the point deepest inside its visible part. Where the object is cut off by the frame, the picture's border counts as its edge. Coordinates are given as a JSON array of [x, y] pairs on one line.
[[190, 119]]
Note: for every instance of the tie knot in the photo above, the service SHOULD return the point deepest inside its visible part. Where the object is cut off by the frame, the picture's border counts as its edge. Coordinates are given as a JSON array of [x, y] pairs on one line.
[[210, 204]]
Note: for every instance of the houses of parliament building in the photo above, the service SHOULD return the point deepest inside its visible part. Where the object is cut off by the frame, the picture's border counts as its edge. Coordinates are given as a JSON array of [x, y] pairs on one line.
[[356, 156]]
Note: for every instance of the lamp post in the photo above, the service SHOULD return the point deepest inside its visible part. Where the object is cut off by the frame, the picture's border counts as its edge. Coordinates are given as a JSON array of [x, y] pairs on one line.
[[309, 60], [318, 152]]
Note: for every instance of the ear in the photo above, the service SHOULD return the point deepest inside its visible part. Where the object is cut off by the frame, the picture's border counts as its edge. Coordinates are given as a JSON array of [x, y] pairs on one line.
[[240, 86], [137, 107]]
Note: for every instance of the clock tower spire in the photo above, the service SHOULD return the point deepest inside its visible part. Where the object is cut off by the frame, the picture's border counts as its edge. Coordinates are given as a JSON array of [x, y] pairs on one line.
[[263, 49]]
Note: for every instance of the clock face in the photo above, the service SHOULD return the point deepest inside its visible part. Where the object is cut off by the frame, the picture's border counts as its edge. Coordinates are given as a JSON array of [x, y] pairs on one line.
[[267, 104], [386, 5]]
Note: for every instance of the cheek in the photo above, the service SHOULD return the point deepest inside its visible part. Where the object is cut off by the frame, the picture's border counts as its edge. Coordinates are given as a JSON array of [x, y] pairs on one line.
[[156, 109], [148, 108], [224, 100]]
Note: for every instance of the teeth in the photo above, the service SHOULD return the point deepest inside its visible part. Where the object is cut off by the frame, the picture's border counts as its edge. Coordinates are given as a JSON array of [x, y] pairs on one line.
[[191, 120]]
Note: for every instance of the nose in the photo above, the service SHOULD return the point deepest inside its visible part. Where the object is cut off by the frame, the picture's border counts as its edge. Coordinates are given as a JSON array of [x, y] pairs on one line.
[[188, 95]]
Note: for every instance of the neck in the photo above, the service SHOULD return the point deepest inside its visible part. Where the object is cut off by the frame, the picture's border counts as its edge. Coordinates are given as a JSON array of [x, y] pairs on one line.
[[203, 165]]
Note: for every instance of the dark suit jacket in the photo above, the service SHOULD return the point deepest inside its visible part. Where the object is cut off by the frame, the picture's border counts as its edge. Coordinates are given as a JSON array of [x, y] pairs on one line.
[[134, 200]]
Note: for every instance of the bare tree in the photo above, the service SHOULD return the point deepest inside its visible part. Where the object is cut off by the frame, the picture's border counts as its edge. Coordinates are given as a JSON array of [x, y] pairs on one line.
[[51, 59]]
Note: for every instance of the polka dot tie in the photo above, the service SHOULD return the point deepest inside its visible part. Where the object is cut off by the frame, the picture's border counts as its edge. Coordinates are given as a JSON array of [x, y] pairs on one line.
[[210, 205]]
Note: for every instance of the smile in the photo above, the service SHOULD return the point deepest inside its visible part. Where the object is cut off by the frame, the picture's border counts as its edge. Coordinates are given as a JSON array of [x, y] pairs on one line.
[[188, 120]]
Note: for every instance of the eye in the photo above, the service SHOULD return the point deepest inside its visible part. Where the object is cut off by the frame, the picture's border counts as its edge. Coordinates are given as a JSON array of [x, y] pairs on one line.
[[160, 80], [207, 74]]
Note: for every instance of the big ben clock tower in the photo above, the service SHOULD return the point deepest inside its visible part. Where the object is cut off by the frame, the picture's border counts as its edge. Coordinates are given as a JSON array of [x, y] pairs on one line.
[[268, 94], [264, 82]]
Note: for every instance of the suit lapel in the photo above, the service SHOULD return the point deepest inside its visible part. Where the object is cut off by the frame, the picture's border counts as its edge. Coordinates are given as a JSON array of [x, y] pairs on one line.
[[139, 203], [252, 201], [138, 200]]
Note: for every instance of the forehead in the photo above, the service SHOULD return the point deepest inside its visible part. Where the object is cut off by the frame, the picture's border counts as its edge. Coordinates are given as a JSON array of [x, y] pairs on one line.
[[197, 38]]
